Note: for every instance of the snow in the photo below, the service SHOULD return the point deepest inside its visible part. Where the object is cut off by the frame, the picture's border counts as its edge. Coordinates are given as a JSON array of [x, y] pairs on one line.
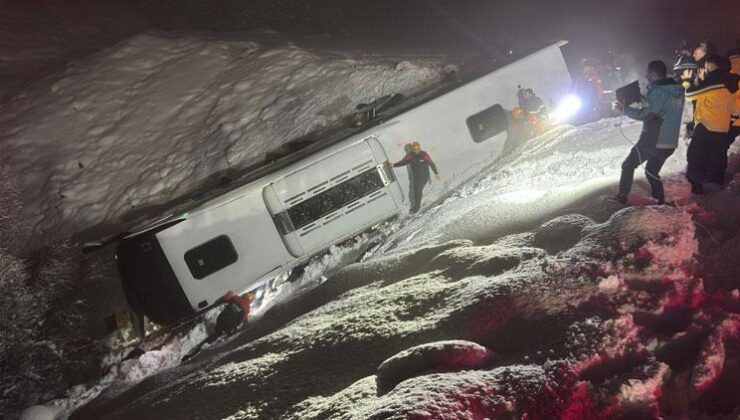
[[713, 354], [442, 355], [371, 347], [528, 293], [644, 392], [160, 116], [122, 372], [41, 412], [314, 274], [584, 309]]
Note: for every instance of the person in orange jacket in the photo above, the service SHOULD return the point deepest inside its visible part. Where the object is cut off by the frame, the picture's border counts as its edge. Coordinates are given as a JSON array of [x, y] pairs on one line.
[[420, 163], [734, 57], [233, 315]]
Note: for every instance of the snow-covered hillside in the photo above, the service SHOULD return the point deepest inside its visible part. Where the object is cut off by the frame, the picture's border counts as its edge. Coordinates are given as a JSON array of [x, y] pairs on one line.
[[569, 307], [159, 116], [527, 293]]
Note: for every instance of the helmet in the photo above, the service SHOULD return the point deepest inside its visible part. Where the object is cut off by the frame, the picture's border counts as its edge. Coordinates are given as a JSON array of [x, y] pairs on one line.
[[415, 145]]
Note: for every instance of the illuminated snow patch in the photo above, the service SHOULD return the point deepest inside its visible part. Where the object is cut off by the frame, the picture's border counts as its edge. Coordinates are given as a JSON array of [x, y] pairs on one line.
[[522, 196]]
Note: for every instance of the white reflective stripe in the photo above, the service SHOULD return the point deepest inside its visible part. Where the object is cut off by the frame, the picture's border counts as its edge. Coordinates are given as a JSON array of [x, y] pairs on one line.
[[706, 89]]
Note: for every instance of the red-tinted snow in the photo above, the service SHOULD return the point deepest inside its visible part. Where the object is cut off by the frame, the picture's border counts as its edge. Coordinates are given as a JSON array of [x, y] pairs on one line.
[[614, 324]]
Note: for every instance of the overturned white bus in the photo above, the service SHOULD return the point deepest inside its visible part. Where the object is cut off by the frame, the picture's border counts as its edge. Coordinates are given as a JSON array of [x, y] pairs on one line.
[[286, 214]]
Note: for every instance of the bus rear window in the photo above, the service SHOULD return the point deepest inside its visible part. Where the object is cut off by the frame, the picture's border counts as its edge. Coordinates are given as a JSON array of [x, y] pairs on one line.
[[210, 257]]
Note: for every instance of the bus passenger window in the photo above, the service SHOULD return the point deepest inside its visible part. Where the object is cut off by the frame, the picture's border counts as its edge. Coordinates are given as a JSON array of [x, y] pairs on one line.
[[210, 257], [334, 198], [487, 123]]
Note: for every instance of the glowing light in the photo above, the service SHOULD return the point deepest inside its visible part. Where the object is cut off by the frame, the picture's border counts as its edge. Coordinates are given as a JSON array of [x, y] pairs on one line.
[[567, 109]]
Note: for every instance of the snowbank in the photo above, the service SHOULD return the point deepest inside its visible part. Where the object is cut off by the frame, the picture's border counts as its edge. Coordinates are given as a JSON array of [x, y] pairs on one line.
[[425, 358], [380, 347], [159, 116], [591, 310]]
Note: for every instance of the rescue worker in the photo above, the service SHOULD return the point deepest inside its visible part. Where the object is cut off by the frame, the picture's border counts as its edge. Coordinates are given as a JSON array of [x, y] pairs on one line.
[[588, 87], [233, 315], [661, 122], [692, 77], [536, 110], [700, 55], [734, 57], [421, 163], [714, 96]]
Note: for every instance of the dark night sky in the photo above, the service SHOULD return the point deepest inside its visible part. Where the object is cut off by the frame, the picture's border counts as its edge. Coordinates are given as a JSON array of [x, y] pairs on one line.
[[40, 36], [639, 27]]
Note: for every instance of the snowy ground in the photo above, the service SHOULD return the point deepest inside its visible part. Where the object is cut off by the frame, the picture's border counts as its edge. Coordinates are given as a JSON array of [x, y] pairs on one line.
[[526, 294], [157, 117]]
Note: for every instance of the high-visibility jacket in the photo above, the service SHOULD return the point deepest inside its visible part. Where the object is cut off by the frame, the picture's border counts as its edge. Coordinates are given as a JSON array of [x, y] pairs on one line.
[[715, 101], [734, 56], [242, 301]]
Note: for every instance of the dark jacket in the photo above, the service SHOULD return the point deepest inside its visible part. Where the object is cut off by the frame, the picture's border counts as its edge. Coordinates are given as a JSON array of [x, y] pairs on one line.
[[715, 100], [420, 164], [661, 115]]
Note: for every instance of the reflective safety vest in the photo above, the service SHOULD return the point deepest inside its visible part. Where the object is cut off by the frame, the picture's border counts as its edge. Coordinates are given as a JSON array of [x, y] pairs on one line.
[[715, 104]]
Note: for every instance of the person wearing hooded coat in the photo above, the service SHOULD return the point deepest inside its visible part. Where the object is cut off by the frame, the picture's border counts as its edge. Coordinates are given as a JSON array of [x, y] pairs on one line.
[[661, 116]]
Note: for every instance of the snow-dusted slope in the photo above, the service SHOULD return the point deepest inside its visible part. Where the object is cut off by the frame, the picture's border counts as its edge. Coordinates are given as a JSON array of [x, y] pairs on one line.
[[585, 315], [154, 117], [547, 176]]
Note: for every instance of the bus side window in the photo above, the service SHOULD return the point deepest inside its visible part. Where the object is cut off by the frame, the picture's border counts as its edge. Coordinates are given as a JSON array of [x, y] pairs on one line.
[[211, 256], [487, 123], [336, 197]]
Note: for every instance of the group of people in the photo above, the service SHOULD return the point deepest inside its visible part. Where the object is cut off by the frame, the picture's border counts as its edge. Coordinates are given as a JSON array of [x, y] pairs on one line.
[[710, 82], [594, 85]]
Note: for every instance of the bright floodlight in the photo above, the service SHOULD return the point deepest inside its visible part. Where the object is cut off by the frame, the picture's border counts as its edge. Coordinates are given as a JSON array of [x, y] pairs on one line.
[[567, 109]]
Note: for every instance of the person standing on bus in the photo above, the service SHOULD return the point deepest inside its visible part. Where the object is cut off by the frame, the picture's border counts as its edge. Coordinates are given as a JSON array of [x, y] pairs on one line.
[[421, 162]]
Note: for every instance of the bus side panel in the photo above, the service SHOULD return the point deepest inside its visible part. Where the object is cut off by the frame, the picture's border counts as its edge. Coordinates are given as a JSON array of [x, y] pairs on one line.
[[440, 125], [248, 226], [148, 281], [307, 185]]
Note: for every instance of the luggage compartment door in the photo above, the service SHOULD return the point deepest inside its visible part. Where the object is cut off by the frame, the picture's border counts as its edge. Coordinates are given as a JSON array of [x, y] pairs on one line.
[[334, 198]]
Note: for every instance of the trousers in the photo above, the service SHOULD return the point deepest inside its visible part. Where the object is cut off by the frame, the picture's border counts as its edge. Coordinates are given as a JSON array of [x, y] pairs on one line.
[[655, 159], [706, 157]]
